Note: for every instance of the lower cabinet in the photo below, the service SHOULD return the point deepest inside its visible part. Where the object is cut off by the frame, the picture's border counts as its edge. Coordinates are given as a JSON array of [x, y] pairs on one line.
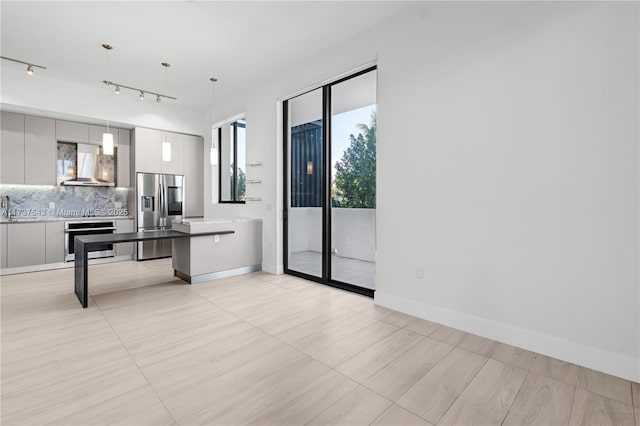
[[124, 249], [3, 250], [27, 242], [54, 240]]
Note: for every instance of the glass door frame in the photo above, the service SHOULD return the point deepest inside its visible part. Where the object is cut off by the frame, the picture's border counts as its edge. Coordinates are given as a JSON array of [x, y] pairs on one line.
[[325, 188]]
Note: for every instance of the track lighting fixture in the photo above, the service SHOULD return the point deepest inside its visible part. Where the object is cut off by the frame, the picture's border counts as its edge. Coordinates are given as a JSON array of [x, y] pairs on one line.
[[157, 98], [28, 64], [141, 92]]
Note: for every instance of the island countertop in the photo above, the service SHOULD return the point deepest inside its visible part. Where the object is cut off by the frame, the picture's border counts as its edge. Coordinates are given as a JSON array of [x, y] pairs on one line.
[[196, 225], [214, 220]]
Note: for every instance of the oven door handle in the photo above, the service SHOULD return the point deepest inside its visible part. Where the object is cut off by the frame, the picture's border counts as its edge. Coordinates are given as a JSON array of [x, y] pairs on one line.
[[69, 231]]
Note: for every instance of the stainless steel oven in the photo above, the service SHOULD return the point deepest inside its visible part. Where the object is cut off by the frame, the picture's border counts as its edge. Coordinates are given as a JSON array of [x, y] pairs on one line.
[[73, 229]]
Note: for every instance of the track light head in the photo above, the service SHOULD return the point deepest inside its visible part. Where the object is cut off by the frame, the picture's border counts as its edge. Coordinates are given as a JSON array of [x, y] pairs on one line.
[[29, 70], [141, 97], [117, 90], [158, 98]]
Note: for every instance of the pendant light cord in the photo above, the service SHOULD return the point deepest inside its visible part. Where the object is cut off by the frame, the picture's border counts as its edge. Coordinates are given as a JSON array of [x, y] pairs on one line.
[[107, 73], [213, 105], [165, 65]]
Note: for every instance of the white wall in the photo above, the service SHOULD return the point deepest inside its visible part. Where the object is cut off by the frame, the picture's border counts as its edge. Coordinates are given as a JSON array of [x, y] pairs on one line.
[[520, 174], [507, 169]]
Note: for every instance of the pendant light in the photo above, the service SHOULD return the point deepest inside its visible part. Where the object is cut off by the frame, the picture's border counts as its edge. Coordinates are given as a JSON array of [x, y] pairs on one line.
[[213, 152], [107, 138], [166, 145]]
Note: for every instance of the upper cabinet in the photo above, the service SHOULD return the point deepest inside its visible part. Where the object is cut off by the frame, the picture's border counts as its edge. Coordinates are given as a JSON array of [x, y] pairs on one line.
[[123, 158], [193, 175], [147, 150], [39, 150], [175, 164], [27, 150], [95, 134], [12, 148], [69, 131], [186, 159]]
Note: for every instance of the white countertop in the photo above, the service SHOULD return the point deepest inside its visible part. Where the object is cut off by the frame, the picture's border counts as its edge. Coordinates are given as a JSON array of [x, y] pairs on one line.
[[214, 220]]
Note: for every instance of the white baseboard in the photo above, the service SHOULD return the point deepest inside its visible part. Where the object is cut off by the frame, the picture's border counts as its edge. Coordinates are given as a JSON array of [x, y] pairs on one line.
[[573, 352]]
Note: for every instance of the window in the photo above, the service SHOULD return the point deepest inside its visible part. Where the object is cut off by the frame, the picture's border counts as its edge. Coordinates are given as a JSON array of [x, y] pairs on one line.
[[231, 178]]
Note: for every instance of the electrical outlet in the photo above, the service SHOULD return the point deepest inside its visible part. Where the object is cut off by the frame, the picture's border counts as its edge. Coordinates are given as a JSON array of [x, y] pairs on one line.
[[216, 238], [420, 273], [52, 205]]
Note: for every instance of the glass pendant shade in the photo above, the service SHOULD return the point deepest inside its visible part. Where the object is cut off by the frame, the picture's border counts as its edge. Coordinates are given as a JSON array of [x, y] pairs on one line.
[[213, 156], [166, 151], [107, 144]]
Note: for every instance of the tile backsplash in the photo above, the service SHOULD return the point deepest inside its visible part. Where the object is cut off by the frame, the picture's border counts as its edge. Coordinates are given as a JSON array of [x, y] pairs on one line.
[[33, 201]]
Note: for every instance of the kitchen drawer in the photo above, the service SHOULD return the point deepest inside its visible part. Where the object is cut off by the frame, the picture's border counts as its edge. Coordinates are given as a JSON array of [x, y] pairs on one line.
[[3, 249]]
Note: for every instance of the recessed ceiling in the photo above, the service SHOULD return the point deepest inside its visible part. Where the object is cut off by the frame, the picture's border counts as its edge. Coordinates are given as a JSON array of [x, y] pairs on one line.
[[240, 43]]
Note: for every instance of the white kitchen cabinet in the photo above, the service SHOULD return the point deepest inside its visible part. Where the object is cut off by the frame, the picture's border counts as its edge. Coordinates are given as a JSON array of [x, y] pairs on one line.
[[123, 159], [176, 165], [69, 131], [194, 175], [124, 249], [39, 150], [95, 134], [147, 150], [3, 248], [12, 148], [54, 242], [25, 244]]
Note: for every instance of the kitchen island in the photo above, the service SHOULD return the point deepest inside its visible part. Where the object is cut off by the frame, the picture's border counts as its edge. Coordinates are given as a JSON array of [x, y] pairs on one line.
[[88, 243], [202, 259]]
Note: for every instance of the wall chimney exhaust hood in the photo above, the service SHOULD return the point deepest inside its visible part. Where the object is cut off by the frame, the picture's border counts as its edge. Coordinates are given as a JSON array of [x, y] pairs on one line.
[[79, 164]]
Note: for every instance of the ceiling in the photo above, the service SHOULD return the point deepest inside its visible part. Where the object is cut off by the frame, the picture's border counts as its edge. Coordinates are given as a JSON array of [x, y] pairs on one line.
[[240, 43]]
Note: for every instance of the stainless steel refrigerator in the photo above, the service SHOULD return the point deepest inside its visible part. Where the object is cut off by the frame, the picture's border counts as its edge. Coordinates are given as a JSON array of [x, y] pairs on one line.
[[159, 201]]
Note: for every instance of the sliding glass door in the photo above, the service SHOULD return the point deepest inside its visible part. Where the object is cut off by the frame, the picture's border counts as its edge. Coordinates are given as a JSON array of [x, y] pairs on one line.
[[330, 183], [305, 180], [353, 180]]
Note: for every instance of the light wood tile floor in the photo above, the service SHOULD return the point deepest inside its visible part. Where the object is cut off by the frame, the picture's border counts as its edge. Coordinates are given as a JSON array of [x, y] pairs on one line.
[[265, 349]]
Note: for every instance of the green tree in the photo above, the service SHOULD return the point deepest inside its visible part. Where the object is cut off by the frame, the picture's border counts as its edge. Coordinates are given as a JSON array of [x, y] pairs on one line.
[[355, 182], [242, 184]]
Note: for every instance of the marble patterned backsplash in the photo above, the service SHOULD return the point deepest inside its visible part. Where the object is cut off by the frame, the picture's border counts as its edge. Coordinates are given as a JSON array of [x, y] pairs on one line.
[[33, 201]]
